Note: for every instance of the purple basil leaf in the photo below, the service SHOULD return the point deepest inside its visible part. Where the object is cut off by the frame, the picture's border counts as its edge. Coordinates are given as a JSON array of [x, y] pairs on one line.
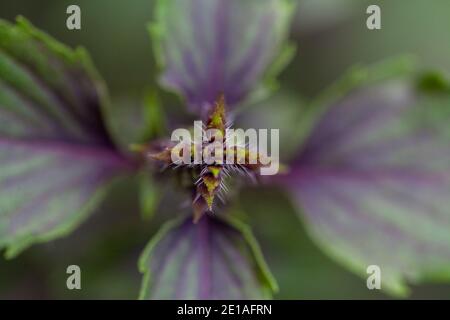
[[209, 47], [56, 157], [213, 259], [373, 182]]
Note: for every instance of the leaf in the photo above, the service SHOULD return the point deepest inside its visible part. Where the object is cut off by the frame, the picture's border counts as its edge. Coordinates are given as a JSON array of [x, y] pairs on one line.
[[56, 156], [213, 259], [210, 47], [136, 120], [154, 115], [357, 76], [373, 182], [150, 194]]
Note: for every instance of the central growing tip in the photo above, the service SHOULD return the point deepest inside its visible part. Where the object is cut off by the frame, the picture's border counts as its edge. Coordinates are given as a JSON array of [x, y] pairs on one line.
[[216, 153]]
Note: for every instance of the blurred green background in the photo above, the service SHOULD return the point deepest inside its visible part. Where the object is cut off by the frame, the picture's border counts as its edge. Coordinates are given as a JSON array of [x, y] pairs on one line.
[[331, 36]]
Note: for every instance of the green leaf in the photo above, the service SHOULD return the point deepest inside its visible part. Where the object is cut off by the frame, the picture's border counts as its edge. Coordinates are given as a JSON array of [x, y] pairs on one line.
[[214, 259], [154, 115], [136, 120], [356, 77], [56, 156], [150, 194], [373, 181], [211, 47]]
